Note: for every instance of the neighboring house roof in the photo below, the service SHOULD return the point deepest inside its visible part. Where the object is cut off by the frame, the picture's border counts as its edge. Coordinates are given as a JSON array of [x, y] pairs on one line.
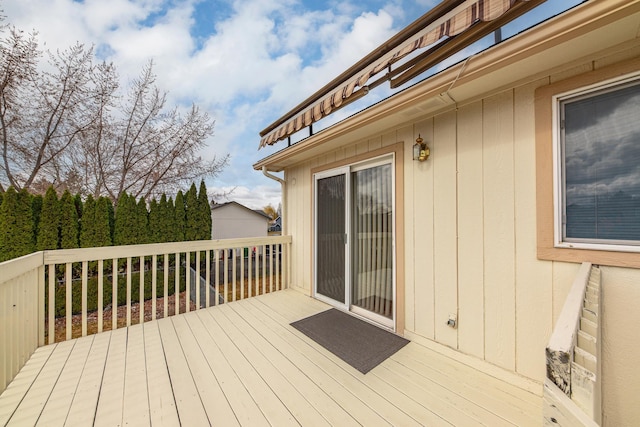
[[255, 211], [443, 31], [276, 225]]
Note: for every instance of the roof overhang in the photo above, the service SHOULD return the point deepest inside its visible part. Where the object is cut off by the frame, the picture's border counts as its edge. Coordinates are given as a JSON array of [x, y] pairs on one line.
[[584, 30]]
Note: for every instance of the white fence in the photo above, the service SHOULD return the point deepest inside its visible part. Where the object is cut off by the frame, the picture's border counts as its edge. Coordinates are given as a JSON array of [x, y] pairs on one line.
[[75, 292]]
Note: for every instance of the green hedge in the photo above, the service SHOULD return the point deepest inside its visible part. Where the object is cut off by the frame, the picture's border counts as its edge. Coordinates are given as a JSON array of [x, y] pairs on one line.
[[92, 290]]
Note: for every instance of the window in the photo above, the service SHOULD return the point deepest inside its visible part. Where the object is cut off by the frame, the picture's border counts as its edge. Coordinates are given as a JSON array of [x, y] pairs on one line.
[[598, 167]]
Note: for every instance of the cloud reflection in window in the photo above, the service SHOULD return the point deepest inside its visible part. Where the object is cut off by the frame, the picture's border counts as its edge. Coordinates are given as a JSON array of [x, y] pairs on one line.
[[602, 166]]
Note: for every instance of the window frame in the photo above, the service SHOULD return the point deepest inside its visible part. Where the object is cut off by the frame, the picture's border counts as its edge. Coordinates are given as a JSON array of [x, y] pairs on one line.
[[546, 173], [576, 94]]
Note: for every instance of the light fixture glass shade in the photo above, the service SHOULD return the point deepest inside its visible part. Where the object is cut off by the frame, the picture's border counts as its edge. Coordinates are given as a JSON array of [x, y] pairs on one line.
[[420, 150], [416, 151]]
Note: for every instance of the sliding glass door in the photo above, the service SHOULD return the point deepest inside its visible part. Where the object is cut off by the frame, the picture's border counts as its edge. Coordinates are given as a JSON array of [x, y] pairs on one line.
[[354, 262], [331, 232], [372, 236]]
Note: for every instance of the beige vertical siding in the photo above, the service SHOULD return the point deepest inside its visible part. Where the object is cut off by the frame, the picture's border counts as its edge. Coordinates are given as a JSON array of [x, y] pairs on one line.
[[470, 232], [621, 348], [445, 262], [420, 257], [499, 229], [298, 217], [533, 285], [469, 219], [471, 238]]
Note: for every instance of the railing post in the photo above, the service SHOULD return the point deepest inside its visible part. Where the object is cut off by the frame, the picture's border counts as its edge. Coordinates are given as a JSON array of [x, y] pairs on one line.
[[41, 305]]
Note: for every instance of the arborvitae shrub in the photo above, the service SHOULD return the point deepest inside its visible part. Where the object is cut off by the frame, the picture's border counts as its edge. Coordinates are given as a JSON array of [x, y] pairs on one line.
[[180, 218], [49, 230], [204, 209], [68, 222]]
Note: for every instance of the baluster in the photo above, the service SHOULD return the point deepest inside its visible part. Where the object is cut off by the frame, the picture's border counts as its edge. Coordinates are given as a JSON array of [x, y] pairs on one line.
[[233, 272], [226, 274], [52, 303], [176, 290], [242, 272], [141, 292], [68, 300], [277, 267], [197, 280], [84, 298], [270, 268], [207, 280], [264, 269], [165, 312], [187, 278], [128, 291], [216, 298], [114, 295], [249, 267], [100, 294], [154, 292]]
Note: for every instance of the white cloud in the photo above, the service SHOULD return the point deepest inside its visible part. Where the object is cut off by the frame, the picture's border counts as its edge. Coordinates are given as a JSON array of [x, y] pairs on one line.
[[261, 60]]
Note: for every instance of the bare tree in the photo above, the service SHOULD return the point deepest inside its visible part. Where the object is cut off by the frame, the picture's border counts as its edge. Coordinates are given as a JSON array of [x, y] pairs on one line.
[[144, 149], [68, 123], [18, 58], [42, 111]]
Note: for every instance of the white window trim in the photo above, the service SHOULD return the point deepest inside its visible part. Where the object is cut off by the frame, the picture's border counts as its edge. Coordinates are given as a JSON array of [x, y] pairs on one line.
[[558, 183]]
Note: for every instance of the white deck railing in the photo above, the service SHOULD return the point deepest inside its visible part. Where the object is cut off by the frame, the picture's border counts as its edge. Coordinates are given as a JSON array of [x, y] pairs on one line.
[[21, 313], [55, 295], [572, 389]]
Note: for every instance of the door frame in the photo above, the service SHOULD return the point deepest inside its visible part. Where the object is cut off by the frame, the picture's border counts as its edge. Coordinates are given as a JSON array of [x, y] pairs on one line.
[[389, 158]]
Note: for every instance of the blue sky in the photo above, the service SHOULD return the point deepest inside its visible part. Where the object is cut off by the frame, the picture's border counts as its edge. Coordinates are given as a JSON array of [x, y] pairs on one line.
[[246, 62]]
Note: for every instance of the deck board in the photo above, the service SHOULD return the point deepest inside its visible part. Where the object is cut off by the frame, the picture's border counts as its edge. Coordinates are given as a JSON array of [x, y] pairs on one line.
[[270, 405], [205, 379], [242, 364], [135, 410], [162, 404], [242, 405], [57, 407], [389, 403], [302, 379], [16, 391], [34, 401], [188, 400], [83, 406], [109, 406], [256, 349]]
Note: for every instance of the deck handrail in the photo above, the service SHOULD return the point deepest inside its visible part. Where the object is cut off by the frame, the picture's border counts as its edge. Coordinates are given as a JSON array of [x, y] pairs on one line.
[[572, 388], [66, 280]]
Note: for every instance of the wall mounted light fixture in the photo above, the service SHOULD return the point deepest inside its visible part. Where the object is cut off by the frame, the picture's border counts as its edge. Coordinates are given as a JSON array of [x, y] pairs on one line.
[[420, 150]]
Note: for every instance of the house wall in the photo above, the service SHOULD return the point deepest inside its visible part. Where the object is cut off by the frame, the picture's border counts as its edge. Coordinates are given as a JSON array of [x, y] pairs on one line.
[[232, 222], [470, 241]]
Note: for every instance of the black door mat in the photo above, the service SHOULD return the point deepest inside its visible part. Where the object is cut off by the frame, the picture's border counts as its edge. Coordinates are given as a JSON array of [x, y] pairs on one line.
[[360, 344]]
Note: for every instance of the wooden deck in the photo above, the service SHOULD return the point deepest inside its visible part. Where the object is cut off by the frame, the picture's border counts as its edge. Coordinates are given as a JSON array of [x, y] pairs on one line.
[[242, 364]]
